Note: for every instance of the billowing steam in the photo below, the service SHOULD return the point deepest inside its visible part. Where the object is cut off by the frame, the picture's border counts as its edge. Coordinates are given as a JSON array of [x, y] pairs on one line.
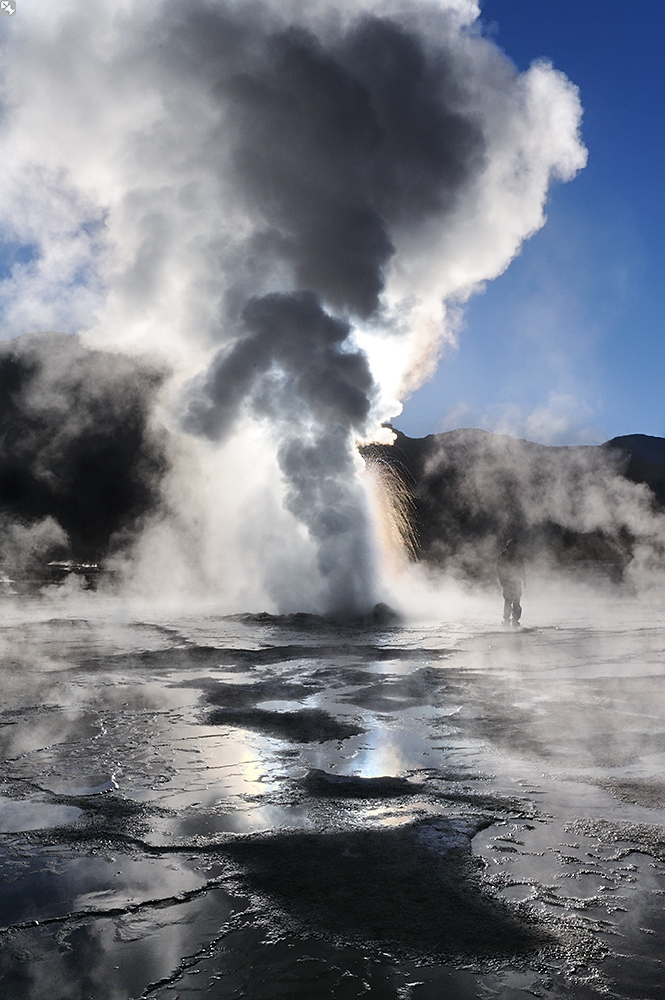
[[80, 463], [285, 204]]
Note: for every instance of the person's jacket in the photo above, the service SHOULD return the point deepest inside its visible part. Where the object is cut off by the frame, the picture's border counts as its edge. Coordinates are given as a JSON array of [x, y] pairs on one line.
[[510, 569]]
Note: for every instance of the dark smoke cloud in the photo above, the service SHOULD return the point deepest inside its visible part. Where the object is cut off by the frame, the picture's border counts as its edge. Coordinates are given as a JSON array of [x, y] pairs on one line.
[[76, 445], [336, 141], [339, 141], [290, 363]]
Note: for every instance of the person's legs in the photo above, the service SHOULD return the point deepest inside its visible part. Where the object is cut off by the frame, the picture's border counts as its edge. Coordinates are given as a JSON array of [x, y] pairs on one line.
[[512, 609]]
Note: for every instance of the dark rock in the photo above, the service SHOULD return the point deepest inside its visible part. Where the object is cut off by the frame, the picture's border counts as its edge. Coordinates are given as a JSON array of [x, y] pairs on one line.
[[350, 786], [308, 725]]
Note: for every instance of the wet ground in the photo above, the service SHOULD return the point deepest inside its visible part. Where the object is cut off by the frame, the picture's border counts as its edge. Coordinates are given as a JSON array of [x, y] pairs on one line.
[[194, 805]]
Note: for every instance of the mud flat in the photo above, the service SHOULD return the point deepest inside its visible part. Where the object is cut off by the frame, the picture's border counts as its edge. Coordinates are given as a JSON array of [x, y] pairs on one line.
[[196, 805]]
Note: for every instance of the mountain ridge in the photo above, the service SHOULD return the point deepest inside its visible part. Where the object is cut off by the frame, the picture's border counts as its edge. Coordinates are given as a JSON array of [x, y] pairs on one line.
[[587, 507]]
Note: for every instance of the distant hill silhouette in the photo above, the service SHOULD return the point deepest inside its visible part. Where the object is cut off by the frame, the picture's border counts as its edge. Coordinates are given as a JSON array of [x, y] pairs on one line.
[[576, 506], [646, 460], [80, 463]]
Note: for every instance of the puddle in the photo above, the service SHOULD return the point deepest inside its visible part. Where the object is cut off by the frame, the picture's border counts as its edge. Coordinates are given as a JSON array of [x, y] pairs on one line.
[[94, 784], [109, 958], [20, 816], [202, 856], [38, 729], [46, 883]]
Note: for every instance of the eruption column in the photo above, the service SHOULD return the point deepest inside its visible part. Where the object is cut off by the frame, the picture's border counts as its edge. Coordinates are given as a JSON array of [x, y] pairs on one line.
[[273, 198]]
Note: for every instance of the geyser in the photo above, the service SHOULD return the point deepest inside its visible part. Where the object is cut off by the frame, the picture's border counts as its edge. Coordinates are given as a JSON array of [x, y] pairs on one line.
[[280, 203]]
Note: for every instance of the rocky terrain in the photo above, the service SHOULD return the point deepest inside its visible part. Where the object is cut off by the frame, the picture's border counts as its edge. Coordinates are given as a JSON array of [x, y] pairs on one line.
[[581, 507]]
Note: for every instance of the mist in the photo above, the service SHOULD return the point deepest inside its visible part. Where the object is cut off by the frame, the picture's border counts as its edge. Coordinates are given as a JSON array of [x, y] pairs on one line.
[[593, 511], [282, 210]]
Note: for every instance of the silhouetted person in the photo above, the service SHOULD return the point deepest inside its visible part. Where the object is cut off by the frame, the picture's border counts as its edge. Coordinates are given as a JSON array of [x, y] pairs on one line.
[[510, 567]]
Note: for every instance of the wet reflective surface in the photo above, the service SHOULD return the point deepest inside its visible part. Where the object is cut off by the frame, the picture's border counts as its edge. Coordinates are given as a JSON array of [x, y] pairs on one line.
[[194, 805]]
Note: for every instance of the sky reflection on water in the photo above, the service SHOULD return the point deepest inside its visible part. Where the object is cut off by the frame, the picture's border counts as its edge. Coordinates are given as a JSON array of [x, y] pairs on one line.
[[121, 800]]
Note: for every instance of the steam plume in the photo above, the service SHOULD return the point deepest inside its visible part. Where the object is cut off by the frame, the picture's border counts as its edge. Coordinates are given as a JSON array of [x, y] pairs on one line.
[[79, 460], [281, 200]]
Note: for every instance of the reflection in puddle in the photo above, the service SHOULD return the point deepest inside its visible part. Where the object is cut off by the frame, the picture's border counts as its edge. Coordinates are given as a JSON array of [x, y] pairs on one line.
[[202, 825], [110, 958], [135, 807], [47, 884], [17, 816], [39, 729], [90, 784]]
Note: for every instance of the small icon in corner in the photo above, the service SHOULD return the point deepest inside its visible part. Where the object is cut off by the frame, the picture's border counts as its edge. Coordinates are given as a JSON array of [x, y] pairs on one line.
[[8, 7]]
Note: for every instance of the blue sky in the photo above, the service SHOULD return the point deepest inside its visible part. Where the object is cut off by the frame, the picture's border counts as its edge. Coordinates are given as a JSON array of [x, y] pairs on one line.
[[567, 346]]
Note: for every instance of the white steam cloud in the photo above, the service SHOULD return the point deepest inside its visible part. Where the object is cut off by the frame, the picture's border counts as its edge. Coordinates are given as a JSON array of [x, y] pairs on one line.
[[285, 204]]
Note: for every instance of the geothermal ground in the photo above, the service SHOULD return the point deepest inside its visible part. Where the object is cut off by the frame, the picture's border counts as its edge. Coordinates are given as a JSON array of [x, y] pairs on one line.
[[195, 805]]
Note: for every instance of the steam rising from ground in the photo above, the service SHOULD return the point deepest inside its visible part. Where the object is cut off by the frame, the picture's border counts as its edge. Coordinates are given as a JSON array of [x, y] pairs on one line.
[[81, 462], [590, 511], [285, 204]]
